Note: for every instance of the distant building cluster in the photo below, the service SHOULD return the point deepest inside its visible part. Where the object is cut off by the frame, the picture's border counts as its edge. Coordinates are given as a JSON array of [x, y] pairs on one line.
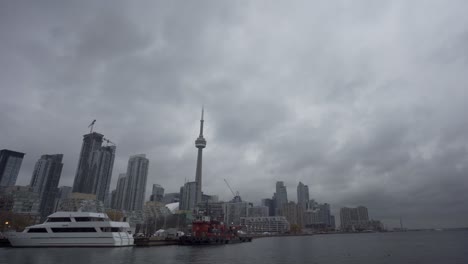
[[91, 193]]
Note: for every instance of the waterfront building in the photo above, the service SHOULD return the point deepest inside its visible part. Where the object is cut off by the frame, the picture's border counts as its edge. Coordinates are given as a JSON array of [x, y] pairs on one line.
[[270, 204], [234, 211], [21, 199], [171, 198], [63, 193], [188, 196], [157, 194], [354, 218], [332, 222], [289, 210], [137, 172], [81, 202], [200, 144], [257, 211], [10, 164], [44, 181], [281, 197], [210, 198], [214, 209], [319, 217], [119, 197], [267, 224]]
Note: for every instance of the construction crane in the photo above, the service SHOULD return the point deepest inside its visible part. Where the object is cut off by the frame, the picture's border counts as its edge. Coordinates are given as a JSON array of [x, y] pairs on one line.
[[108, 141], [236, 195], [91, 126]]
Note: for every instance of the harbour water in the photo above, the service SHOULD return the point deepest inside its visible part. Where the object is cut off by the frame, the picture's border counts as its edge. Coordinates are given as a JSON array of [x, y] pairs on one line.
[[407, 247]]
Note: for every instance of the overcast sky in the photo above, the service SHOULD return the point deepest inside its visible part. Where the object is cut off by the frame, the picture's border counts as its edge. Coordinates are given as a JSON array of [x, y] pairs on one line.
[[364, 101]]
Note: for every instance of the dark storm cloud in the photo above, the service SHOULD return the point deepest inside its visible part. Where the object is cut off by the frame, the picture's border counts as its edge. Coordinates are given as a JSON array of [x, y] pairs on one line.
[[365, 102]]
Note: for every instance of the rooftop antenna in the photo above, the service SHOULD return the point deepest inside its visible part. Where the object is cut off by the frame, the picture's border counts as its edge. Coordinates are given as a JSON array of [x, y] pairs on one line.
[[91, 126]]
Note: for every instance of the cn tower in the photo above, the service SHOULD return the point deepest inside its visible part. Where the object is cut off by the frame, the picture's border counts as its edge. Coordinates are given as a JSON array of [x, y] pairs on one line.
[[200, 144]]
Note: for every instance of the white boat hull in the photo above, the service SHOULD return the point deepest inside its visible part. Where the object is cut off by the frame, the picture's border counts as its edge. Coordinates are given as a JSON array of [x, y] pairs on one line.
[[111, 239]]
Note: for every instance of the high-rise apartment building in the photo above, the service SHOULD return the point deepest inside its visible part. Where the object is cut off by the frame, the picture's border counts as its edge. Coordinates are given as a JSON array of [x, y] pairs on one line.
[[83, 178], [10, 164], [188, 196], [257, 211], [94, 172], [354, 218], [289, 210], [119, 196], [270, 204], [137, 172], [102, 164], [281, 197], [44, 181], [302, 195], [157, 194]]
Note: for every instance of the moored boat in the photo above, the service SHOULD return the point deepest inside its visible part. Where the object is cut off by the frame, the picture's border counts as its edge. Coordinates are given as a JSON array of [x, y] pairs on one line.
[[74, 229], [211, 232]]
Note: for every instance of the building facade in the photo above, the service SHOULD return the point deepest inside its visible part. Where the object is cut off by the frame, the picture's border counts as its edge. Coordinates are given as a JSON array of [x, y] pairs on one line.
[[102, 163], [119, 196], [270, 204], [302, 195], [157, 194], [354, 219], [81, 202], [83, 182], [258, 211], [234, 211], [10, 164], [281, 197], [44, 181], [262, 225], [137, 173], [188, 196]]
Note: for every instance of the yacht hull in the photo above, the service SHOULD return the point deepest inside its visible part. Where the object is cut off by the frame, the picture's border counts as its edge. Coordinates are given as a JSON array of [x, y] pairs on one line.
[[76, 240]]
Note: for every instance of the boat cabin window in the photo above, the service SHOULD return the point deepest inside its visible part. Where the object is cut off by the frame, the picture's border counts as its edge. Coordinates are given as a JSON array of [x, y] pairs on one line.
[[111, 229], [88, 219], [37, 230], [59, 219], [73, 230]]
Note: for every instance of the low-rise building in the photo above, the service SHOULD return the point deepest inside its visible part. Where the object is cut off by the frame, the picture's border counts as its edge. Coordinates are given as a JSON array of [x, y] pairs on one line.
[[268, 224]]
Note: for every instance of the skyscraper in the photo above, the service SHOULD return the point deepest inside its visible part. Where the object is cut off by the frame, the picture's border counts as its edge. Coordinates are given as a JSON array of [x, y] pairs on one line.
[[281, 196], [302, 195], [119, 197], [354, 218], [83, 179], [101, 171], [157, 194], [137, 172], [44, 181], [94, 171], [10, 164], [200, 143], [188, 196]]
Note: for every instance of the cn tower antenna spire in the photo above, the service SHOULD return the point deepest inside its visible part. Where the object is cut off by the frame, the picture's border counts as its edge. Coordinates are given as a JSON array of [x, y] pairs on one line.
[[201, 121]]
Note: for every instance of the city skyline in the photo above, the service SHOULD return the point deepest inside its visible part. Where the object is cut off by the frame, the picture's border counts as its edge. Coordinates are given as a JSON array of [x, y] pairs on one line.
[[363, 103]]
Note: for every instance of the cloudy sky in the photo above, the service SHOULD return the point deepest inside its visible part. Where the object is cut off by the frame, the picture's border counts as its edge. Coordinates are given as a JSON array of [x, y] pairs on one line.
[[364, 101]]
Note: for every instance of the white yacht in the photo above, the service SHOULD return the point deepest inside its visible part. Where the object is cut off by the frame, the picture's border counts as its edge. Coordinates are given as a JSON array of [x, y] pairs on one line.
[[74, 229]]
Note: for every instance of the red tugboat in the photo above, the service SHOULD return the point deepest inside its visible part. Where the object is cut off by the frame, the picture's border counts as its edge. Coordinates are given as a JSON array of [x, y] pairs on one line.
[[211, 232]]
